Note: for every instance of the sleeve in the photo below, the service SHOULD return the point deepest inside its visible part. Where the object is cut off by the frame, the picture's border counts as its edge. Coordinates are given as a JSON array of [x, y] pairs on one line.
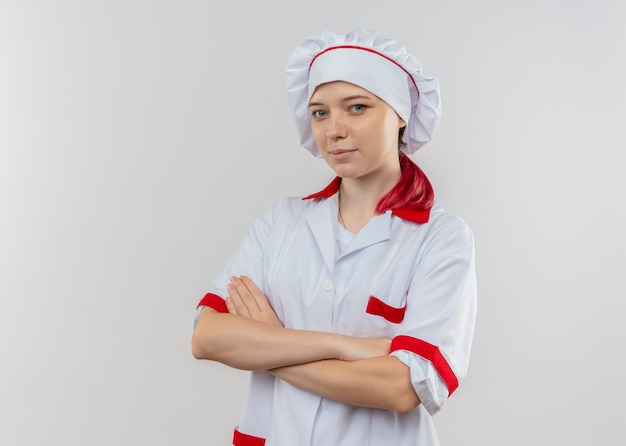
[[435, 336], [249, 260]]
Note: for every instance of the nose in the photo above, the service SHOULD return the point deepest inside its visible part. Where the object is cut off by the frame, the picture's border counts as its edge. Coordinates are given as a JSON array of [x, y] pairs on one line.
[[336, 128]]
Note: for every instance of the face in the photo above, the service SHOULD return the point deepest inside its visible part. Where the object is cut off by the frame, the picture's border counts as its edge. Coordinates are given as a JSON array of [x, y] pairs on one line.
[[357, 132]]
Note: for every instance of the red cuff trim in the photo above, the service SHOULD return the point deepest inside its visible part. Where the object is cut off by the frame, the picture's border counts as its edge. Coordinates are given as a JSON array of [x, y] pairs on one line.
[[240, 439], [214, 301], [432, 354], [379, 308]]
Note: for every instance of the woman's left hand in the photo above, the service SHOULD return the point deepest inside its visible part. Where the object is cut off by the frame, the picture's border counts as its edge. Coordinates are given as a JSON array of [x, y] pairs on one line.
[[246, 299]]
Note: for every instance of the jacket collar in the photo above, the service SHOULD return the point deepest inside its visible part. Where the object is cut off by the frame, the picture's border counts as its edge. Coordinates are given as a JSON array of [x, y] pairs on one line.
[[406, 213]]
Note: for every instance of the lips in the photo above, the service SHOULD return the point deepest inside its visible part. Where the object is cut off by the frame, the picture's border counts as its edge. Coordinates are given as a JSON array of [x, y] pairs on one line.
[[341, 154]]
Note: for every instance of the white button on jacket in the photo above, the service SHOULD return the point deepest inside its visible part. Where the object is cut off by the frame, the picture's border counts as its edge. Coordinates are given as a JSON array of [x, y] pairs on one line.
[[328, 285]]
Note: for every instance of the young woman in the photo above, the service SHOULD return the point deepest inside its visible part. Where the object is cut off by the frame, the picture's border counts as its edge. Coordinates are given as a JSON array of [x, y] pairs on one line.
[[353, 307]]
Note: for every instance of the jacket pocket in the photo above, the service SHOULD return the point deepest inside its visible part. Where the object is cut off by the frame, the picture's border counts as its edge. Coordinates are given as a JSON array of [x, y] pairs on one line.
[[377, 307]]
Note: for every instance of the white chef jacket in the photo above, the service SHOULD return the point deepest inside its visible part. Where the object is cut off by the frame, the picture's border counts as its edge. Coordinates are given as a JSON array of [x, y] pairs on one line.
[[407, 275]]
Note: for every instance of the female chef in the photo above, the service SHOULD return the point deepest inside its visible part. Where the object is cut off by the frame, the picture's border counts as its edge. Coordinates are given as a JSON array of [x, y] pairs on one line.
[[354, 307]]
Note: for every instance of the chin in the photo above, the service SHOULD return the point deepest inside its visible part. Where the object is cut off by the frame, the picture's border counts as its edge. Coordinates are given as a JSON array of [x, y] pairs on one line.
[[346, 173], [337, 168]]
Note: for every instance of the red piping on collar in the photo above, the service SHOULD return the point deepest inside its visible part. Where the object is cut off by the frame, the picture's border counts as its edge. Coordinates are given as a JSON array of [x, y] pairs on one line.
[[328, 191], [355, 47], [409, 214], [412, 214]]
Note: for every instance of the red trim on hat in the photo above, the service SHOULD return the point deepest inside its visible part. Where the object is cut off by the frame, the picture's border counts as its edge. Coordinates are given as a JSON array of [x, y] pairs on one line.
[[432, 354], [214, 301], [377, 307], [409, 214], [240, 439], [354, 47]]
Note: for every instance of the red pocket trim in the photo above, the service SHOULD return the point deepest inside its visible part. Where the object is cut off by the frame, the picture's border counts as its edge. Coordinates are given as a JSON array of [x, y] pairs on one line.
[[379, 308], [240, 439], [432, 354], [214, 301]]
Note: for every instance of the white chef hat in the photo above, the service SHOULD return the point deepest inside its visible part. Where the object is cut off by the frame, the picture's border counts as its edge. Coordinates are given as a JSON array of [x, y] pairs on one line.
[[367, 59]]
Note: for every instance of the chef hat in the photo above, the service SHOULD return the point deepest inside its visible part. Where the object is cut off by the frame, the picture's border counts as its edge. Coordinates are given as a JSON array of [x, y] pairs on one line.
[[367, 59]]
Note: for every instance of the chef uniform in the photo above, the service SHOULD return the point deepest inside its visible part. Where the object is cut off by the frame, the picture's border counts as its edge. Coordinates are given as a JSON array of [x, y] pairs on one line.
[[407, 275]]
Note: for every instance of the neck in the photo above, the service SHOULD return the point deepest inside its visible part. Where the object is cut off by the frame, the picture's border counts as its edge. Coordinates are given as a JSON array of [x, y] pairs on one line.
[[363, 194], [358, 198]]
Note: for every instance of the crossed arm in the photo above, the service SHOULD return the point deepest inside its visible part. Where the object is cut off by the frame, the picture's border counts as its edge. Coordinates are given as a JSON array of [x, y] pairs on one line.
[[351, 370]]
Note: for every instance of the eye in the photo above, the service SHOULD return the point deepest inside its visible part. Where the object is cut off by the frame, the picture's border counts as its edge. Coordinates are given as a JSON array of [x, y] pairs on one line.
[[357, 108], [318, 114]]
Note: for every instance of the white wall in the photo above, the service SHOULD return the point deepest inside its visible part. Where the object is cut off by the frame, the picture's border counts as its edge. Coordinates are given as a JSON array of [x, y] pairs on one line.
[[139, 139]]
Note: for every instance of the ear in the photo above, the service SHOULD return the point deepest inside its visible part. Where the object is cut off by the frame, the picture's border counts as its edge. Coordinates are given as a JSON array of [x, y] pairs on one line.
[[401, 123]]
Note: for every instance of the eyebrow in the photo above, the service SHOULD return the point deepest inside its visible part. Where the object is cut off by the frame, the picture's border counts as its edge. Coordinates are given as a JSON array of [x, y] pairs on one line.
[[346, 99]]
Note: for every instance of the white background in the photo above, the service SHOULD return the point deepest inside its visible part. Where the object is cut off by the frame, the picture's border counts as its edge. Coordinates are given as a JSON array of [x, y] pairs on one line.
[[139, 140]]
